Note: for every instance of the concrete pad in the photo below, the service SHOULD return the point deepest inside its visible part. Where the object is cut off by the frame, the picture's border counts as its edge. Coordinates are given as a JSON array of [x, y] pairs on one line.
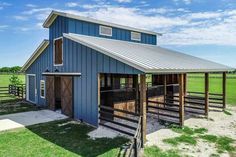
[[19, 120]]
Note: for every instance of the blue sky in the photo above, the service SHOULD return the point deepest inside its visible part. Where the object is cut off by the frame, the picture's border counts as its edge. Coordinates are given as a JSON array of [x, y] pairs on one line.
[[203, 28]]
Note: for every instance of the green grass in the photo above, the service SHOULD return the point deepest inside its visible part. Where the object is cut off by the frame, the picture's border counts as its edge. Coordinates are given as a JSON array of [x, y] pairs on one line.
[[197, 84], [4, 80], [223, 143], [154, 151], [227, 112], [187, 130], [61, 138], [188, 139], [14, 106]]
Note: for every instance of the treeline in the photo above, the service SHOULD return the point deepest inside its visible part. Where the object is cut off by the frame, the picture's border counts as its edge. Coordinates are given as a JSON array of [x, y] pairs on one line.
[[14, 69]]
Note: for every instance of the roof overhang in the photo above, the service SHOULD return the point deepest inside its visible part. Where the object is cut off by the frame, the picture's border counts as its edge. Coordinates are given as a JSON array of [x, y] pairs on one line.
[[180, 71], [61, 74], [103, 47], [54, 14], [35, 55]]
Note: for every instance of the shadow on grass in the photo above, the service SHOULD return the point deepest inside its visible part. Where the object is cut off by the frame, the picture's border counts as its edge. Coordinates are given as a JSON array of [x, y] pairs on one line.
[[16, 106], [73, 137]]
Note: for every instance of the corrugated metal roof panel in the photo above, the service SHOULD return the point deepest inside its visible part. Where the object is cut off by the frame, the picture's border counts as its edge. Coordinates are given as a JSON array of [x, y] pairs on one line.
[[148, 58]]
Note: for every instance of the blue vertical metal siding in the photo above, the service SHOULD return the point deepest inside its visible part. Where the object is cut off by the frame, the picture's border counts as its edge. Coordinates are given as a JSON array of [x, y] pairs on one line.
[[92, 29], [79, 58], [37, 68], [90, 63]]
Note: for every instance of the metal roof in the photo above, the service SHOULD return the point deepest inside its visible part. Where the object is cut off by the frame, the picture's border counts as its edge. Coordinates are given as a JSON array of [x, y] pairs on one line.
[[44, 44], [53, 15], [148, 58]]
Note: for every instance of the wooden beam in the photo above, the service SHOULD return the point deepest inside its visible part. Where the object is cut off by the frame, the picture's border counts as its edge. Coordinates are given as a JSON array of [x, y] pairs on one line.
[[224, 89], [142, 104], [206, 94], [181, 99]]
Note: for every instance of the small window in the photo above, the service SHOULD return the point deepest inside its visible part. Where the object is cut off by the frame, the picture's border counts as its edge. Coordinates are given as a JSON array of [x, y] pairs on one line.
[[135, 36], [106, 31], [42, 89], [58, 52]]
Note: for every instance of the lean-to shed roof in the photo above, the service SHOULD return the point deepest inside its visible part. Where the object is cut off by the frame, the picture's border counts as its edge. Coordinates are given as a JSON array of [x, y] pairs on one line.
[[148, 58]]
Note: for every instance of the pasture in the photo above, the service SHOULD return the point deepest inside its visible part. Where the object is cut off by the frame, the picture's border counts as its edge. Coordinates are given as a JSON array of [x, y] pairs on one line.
[[196, 83], [4, 79]]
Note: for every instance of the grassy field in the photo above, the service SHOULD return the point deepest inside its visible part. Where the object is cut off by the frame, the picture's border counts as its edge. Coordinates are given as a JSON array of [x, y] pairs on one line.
[[4, 80], [59, 138], [196, 83]]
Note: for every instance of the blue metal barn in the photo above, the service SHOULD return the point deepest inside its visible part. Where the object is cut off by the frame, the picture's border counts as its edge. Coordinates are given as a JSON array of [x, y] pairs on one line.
[[68, 67]]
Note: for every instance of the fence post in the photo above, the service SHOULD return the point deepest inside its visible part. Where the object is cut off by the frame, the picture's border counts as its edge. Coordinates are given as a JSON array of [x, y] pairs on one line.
[[206, 94], [224, 90], [18, 91], [9, 89], [142, 142], [135, 147]]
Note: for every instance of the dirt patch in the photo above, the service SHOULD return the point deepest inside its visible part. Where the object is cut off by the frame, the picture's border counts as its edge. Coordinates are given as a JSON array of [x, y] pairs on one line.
[[218, 123]]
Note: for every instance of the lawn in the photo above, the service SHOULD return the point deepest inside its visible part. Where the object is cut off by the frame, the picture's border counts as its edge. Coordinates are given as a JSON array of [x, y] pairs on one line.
[[4, 80], [196, 83], [60, 138]]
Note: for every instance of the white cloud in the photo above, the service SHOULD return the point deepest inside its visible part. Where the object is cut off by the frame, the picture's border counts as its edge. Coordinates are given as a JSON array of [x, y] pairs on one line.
[[205, 15], [72, 4], [21, 18], [124, 1], [187, 2], [4, 4], [3, 27], [180, 27], [31, 5]]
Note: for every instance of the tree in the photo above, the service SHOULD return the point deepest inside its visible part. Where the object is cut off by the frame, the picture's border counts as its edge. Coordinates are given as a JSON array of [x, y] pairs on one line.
[[14, 80]]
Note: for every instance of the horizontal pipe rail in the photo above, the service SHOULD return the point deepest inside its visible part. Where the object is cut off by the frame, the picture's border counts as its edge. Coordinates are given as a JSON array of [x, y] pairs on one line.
[[118, 110], [119, 130], [117, 123], [117, 116]]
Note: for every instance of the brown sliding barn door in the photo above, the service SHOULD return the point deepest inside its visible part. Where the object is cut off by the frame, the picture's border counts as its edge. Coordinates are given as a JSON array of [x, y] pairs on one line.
[[50, 94], [67, 95]]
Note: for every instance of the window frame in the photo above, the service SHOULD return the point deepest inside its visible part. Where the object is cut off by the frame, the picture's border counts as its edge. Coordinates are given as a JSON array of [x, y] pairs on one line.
[[42, 81], [134, 39], [54, 57], [100, 32]]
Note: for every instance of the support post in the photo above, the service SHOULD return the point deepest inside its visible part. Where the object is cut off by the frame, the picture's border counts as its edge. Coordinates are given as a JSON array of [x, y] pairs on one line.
[[135, 85], [185, 84], [142, 101], [181, 99], [224, 90], [206, 94], [165, 89]]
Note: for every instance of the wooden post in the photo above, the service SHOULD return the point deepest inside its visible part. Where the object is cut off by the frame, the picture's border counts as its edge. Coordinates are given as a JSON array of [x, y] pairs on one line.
[[135, 85], [206, 94], [142, 101], [181, 99], [224, 90], [185, 84], [165, 90]]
